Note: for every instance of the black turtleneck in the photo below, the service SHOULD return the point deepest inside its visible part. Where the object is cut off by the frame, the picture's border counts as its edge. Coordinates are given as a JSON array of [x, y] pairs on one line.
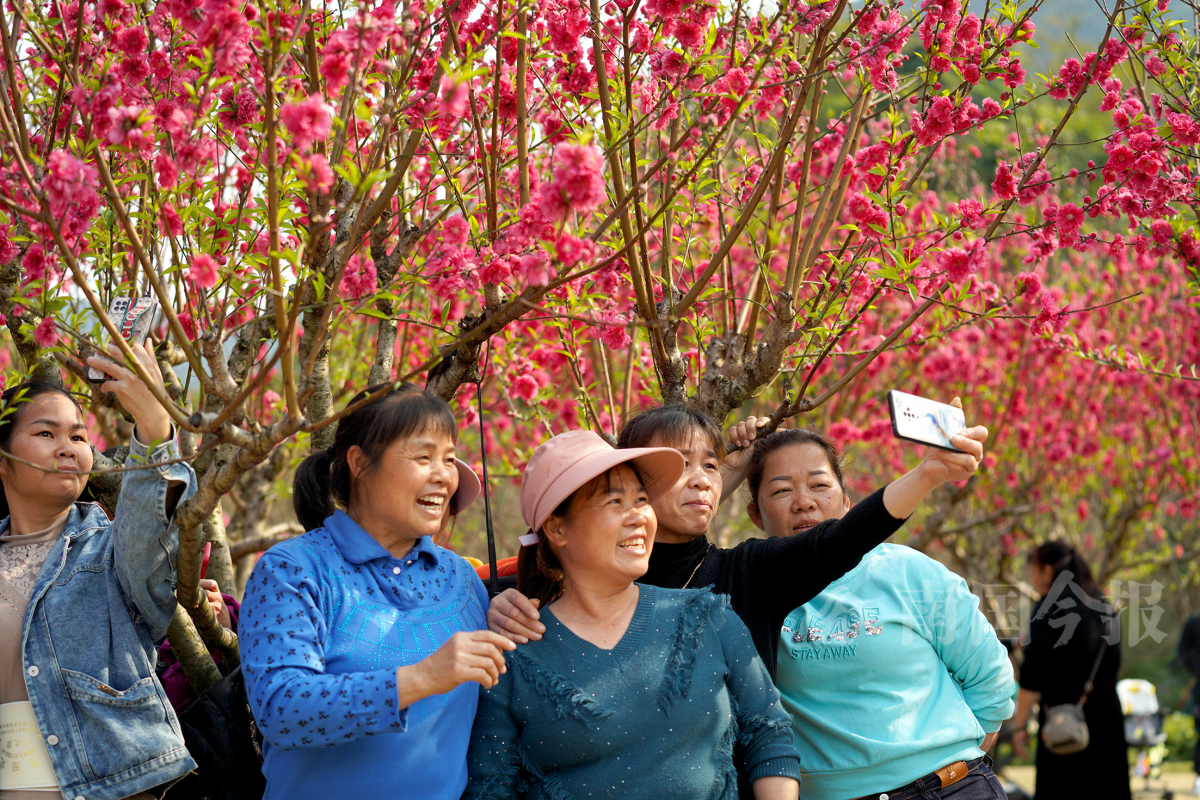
[[767, 578]]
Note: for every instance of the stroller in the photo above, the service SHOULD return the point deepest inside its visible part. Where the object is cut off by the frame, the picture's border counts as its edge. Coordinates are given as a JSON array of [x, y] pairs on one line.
[[1143, 728]]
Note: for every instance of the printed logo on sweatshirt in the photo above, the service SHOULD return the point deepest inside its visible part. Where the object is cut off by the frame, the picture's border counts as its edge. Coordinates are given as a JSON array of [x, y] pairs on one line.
[[846, 627]]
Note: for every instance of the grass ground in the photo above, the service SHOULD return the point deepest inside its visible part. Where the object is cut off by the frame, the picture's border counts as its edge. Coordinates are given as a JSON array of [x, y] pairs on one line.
[[1176, 777]]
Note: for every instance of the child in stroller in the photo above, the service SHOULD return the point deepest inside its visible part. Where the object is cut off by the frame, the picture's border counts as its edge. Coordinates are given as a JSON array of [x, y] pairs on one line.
[[1143, 727]]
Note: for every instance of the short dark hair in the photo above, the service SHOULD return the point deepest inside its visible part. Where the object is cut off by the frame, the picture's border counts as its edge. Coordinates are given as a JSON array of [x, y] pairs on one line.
[[673, 426], [786, 438], [12, 404], [323, 480]]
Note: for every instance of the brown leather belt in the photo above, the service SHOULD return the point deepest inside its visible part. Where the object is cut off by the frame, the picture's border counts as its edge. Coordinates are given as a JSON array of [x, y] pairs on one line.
[[948, 775]]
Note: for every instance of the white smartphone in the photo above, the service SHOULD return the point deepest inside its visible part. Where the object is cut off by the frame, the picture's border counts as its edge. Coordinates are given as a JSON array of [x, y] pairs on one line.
[[924, 421]]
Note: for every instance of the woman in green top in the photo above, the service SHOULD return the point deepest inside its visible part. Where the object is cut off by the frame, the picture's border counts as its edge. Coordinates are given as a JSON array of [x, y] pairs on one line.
[[632, 691]]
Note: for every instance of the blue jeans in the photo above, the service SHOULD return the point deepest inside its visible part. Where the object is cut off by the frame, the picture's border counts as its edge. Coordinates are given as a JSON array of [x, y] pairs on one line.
[[980, 784]]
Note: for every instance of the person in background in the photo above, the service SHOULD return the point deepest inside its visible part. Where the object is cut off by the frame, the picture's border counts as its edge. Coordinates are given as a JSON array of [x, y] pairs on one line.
[[170, 671], [1189, 654], [632, 691], [895, 681], [765, 579], [363, 641], [1066, 630], [83, 598]]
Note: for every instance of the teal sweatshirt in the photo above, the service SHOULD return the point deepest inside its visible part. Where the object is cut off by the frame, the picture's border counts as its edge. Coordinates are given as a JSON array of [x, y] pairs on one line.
[[655, 717], [889, 674]]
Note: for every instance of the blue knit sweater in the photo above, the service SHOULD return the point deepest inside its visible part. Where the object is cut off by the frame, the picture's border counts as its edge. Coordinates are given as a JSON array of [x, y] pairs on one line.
[[655, 717]]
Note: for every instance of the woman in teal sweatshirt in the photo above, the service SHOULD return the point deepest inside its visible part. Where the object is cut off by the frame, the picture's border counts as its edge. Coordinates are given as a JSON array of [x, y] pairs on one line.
[[632, 691], [895, 681]]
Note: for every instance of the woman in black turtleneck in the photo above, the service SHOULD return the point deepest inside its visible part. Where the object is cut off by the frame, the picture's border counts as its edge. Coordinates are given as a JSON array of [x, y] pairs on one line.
[[765, 578]]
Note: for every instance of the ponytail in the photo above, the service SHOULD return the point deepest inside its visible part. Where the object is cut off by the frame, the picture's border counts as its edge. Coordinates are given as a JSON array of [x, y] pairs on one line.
[[313, 491], [539, 573], [323, 481], [1062, 557]]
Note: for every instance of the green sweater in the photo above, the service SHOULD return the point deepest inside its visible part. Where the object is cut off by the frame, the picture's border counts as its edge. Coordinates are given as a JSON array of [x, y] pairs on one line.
[[655, 717]]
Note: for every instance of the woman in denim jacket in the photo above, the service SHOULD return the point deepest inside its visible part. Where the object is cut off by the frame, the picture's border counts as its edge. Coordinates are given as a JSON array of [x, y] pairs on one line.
[[83, 599]]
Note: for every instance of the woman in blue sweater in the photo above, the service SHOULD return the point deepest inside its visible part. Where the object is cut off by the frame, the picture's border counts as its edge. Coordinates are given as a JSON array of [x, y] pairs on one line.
[[896, 682], [632, 691], [362, 640]]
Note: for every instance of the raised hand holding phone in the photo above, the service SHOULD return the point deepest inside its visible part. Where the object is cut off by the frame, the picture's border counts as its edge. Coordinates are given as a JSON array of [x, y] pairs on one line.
[[940, 465], [153, 421]]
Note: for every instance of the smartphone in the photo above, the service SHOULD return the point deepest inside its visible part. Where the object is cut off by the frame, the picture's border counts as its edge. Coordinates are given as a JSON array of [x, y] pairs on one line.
[[133, 317], [204, 559], [924, 421]]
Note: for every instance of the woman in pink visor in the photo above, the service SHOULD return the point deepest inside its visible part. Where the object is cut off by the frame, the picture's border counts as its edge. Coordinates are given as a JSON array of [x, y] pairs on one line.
[[633, 691]]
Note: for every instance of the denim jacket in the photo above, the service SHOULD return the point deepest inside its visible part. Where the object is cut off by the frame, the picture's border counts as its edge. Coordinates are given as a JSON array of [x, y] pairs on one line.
[[105, 594]]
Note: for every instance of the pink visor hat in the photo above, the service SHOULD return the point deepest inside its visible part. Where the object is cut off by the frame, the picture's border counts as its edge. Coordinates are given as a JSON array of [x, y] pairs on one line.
[[468, 486], [568, 461]]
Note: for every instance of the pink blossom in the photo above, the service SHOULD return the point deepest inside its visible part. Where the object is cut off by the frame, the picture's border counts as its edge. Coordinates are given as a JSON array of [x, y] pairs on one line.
[[844, 432], [71, 186], [1185, 129], [360, 278], [203, 271], [188, 324], [577, 184], [1155, 66], [307, 121], [571, 250], [871, 220], [498, 270], [1005, 184], [168, 173], [615, 337], [524, 387], [38, 263], [956, 262], [1052, 318], [1160, 229], [456, 231], [131, 41], [534, 268], [453, 97], [1029, 283], [8, 250], [171, 220], [318, 177], [1070, 218], [46, 333]]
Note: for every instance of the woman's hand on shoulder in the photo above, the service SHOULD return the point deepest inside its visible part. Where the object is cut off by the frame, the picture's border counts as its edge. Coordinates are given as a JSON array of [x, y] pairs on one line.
[[153, 421], [476, 656], [946, 466], [515, 617]]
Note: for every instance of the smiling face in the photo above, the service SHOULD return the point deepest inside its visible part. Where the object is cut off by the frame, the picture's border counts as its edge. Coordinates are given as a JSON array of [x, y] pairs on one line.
[[406, 493], [798, 490], [608, 531], [687, 509], [47, 431]]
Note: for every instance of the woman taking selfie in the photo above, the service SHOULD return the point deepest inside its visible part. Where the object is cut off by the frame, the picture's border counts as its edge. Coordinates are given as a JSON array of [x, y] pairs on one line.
[[362, 640], [84, 598], [633, 691], [895, 680], [765, 579]]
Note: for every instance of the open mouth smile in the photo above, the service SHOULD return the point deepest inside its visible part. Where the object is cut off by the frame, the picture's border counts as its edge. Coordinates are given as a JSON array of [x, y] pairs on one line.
[[432, 503], [634, 544]]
